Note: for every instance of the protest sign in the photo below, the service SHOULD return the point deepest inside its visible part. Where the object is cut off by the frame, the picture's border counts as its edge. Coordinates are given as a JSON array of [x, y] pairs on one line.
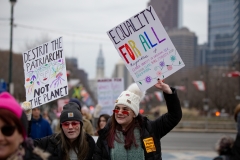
[[61, 103], [145, 48], [45, 73], [108, 92]]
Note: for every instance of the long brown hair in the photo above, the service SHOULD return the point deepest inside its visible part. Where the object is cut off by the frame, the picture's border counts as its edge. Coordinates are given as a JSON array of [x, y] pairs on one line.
[[79, 146], [128, 133], [105, 116]]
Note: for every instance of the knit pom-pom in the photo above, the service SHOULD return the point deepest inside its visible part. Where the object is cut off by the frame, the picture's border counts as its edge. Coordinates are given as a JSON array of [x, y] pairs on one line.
[[135, 89]]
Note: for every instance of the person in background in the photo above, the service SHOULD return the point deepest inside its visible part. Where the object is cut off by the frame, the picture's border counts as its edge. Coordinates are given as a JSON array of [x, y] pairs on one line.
[[27, 107], [129, 135], [14, 143], [72, 143], [96, 114], [39, 126], [237, 116], [226, 147], [46, 117], [87, 125], [102, 121], [86, 113], [55, 123]]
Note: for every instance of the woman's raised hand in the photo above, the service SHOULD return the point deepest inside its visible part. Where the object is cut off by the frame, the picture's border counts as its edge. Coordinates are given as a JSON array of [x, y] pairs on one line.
[[163, 86]]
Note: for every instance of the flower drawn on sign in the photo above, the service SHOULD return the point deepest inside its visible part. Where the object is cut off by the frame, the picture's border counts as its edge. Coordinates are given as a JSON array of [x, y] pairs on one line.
[[169, 67], [162, 64], [148, 79], [173, 58], [164, 67], [158, 73]]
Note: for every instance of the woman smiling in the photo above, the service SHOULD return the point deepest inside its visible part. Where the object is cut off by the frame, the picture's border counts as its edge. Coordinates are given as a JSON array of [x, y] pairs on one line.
[[72, 143], [131, 136]]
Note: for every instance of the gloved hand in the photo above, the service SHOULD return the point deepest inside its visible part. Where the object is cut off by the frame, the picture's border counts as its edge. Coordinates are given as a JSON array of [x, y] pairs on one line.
[[28, 109]]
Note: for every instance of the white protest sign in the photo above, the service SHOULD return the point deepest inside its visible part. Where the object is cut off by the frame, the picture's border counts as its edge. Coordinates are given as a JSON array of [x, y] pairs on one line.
[[45, 73], [108, 92], [145, 48]]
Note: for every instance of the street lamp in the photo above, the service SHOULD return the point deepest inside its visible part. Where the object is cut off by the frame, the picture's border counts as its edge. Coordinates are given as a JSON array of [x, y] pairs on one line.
[[10, 86]]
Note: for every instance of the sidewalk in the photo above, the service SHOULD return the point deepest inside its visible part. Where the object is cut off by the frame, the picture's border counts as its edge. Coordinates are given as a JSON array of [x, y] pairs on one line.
[[188, 155], [204, 130]]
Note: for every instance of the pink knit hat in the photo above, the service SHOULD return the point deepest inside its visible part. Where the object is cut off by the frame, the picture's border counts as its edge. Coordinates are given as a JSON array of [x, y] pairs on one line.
[[9, 103]]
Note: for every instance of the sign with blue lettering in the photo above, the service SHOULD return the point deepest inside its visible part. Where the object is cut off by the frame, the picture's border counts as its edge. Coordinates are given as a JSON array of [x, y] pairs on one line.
[[146, 48]]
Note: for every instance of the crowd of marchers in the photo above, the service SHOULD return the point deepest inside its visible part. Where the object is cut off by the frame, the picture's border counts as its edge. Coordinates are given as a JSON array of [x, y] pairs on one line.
[[25, 134]]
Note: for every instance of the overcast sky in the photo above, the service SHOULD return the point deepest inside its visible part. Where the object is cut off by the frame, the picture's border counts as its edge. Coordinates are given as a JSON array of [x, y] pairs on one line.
[[83, 25]]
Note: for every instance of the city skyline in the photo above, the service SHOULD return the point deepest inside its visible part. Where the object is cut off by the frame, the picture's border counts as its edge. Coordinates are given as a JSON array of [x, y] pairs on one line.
[[83, 26]]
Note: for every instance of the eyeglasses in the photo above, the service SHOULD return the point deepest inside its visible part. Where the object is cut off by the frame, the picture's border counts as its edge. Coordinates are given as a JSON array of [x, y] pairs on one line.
[[8, 130], [123, 111], [66, 124]]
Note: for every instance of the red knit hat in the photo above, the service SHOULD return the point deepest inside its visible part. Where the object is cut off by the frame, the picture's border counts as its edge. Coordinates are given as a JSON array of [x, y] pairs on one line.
[[8, 102]]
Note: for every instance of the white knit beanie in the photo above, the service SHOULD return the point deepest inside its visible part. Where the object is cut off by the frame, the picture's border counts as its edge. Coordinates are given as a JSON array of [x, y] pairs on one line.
[[131, 98]]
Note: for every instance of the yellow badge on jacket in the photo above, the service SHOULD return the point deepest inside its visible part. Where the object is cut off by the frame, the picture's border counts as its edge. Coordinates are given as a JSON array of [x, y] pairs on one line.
[[149, 144]]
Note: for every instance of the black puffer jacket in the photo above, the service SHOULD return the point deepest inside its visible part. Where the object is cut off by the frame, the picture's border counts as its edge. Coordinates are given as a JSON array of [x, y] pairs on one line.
[[236, 147], [155, 129], [51, 145]]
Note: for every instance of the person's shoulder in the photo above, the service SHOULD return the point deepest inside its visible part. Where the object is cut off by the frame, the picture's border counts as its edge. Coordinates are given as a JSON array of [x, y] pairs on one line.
[[45, 121], [86, 120], [35, 154], [90, 139], [144, 119], [53, 138], [102, 133]]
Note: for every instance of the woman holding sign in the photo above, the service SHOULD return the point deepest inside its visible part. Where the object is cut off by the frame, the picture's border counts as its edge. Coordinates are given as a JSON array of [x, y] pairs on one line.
[[72, 143], [131, 136]]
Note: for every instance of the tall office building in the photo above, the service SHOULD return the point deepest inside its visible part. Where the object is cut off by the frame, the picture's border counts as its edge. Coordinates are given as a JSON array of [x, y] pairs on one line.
[[121, 71], [186, 44], [100, 65], [202, 54], [223, 32], [168, 12], [99, 73]]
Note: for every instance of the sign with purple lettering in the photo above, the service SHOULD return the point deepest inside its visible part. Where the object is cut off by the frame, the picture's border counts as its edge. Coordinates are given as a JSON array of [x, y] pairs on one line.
[[146, 48], [108, 91], [45, 73]]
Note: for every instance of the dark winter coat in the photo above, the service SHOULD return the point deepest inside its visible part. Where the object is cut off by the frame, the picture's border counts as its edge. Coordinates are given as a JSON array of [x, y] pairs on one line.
[[51, 145], [156, 129], [30, 152], [35, 154], [40, 128], [235, 151], [236, 148]]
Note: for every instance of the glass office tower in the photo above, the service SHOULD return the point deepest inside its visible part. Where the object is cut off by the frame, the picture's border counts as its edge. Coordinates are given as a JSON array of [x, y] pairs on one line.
[[223, 32]]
